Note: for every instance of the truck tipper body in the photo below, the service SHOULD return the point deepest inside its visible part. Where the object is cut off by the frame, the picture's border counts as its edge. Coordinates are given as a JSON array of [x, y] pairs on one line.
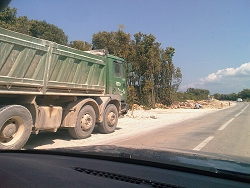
[[47, 86]]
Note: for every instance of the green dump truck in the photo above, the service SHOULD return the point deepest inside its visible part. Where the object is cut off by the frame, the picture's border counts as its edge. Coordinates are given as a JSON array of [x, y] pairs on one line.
[[46, 86]]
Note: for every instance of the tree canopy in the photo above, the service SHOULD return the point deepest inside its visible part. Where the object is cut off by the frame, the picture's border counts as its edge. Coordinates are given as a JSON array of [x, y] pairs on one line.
[[80, 45], [35, 28], [44, 30], [153, 78], [244, 94], [193, 94]]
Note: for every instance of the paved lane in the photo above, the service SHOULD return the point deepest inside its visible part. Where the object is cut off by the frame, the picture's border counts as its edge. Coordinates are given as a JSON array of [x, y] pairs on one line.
[[225, 131], [234, 139]]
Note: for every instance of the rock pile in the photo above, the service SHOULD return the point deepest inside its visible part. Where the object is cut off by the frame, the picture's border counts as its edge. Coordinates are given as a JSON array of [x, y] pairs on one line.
[[190, 104]]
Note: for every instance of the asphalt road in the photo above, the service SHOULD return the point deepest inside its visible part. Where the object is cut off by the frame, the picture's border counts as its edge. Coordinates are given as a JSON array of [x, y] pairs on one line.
[[224, 132]]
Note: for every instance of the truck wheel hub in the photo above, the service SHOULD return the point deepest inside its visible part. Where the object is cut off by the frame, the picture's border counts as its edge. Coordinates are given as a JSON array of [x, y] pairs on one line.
[[86, 122], [111, 119], [8, 130]]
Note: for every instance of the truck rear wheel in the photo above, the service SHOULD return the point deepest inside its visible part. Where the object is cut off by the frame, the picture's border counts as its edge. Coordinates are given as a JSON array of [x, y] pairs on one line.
[[15, 126], [85, 123], [110, 119]]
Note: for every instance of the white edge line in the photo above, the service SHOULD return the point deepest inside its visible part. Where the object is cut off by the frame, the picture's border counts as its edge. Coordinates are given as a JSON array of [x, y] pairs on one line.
[[202, 144]]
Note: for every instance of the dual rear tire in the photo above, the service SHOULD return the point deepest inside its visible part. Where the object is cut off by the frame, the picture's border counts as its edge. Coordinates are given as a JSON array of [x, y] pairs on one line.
[[86, 120], [110, 120], [85, 123]]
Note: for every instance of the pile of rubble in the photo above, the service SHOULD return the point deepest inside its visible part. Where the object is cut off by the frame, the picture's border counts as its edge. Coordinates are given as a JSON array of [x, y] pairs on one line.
[[190, 104]]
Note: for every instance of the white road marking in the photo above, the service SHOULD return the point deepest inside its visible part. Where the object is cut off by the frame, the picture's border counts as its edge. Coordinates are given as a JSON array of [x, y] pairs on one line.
[[226, 124], [238, 114], [202, 144]]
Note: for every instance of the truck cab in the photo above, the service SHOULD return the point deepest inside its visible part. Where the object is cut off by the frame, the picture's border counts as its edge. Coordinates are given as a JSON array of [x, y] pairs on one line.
[[116, 79], [115, 76]]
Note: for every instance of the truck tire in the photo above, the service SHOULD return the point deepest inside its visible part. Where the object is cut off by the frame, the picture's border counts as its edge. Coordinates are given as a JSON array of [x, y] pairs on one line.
[[15, 126], [85, 123], [110, 119]]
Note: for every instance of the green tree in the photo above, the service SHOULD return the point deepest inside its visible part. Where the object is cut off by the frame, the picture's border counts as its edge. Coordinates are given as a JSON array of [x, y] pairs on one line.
[[146, 67], [8, 18], [116, 43], [80, 45], [169, 78], [132, 96], [44, 30], [22, 25], [244, 94], [153, 74], [233, 96], [197, 94], [35, 28]]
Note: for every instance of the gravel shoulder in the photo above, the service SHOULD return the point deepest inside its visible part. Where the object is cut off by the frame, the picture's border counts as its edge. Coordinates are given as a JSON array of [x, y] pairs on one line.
[[128, 126]]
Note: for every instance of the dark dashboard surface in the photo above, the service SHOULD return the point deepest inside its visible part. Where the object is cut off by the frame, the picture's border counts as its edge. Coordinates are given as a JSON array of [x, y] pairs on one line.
[[38, 169]]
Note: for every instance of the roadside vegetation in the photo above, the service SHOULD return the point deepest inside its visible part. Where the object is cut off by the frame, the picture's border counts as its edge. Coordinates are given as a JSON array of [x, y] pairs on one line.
[[152, 76], [244, 94]]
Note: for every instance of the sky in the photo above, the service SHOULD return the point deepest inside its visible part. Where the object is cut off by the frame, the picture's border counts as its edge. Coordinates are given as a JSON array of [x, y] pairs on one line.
[[211, 37]]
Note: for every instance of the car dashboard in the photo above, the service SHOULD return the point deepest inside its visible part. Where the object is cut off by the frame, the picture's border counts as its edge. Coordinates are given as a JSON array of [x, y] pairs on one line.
[[59, 169]]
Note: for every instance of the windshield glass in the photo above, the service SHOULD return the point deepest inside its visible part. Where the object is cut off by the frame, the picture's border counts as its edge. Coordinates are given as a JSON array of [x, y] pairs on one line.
[[186, 80], [118, 69]]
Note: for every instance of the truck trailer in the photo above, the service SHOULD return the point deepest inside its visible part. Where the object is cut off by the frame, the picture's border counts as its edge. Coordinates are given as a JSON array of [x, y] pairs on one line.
[[45, 86]]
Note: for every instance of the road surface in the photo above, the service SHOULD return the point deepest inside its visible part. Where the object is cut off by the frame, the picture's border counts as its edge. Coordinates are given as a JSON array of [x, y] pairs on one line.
[[225, 132]]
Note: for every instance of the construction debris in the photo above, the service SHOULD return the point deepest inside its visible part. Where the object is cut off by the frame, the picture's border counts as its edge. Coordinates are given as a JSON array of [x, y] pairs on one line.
[[190, 104]]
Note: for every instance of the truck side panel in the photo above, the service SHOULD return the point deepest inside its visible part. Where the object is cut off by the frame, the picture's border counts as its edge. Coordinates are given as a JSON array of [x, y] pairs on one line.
[[70, 69], [22, 60], [47, 68]]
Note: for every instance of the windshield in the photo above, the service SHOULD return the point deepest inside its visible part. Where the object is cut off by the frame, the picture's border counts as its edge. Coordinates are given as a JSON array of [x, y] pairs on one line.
[[185, 72]]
